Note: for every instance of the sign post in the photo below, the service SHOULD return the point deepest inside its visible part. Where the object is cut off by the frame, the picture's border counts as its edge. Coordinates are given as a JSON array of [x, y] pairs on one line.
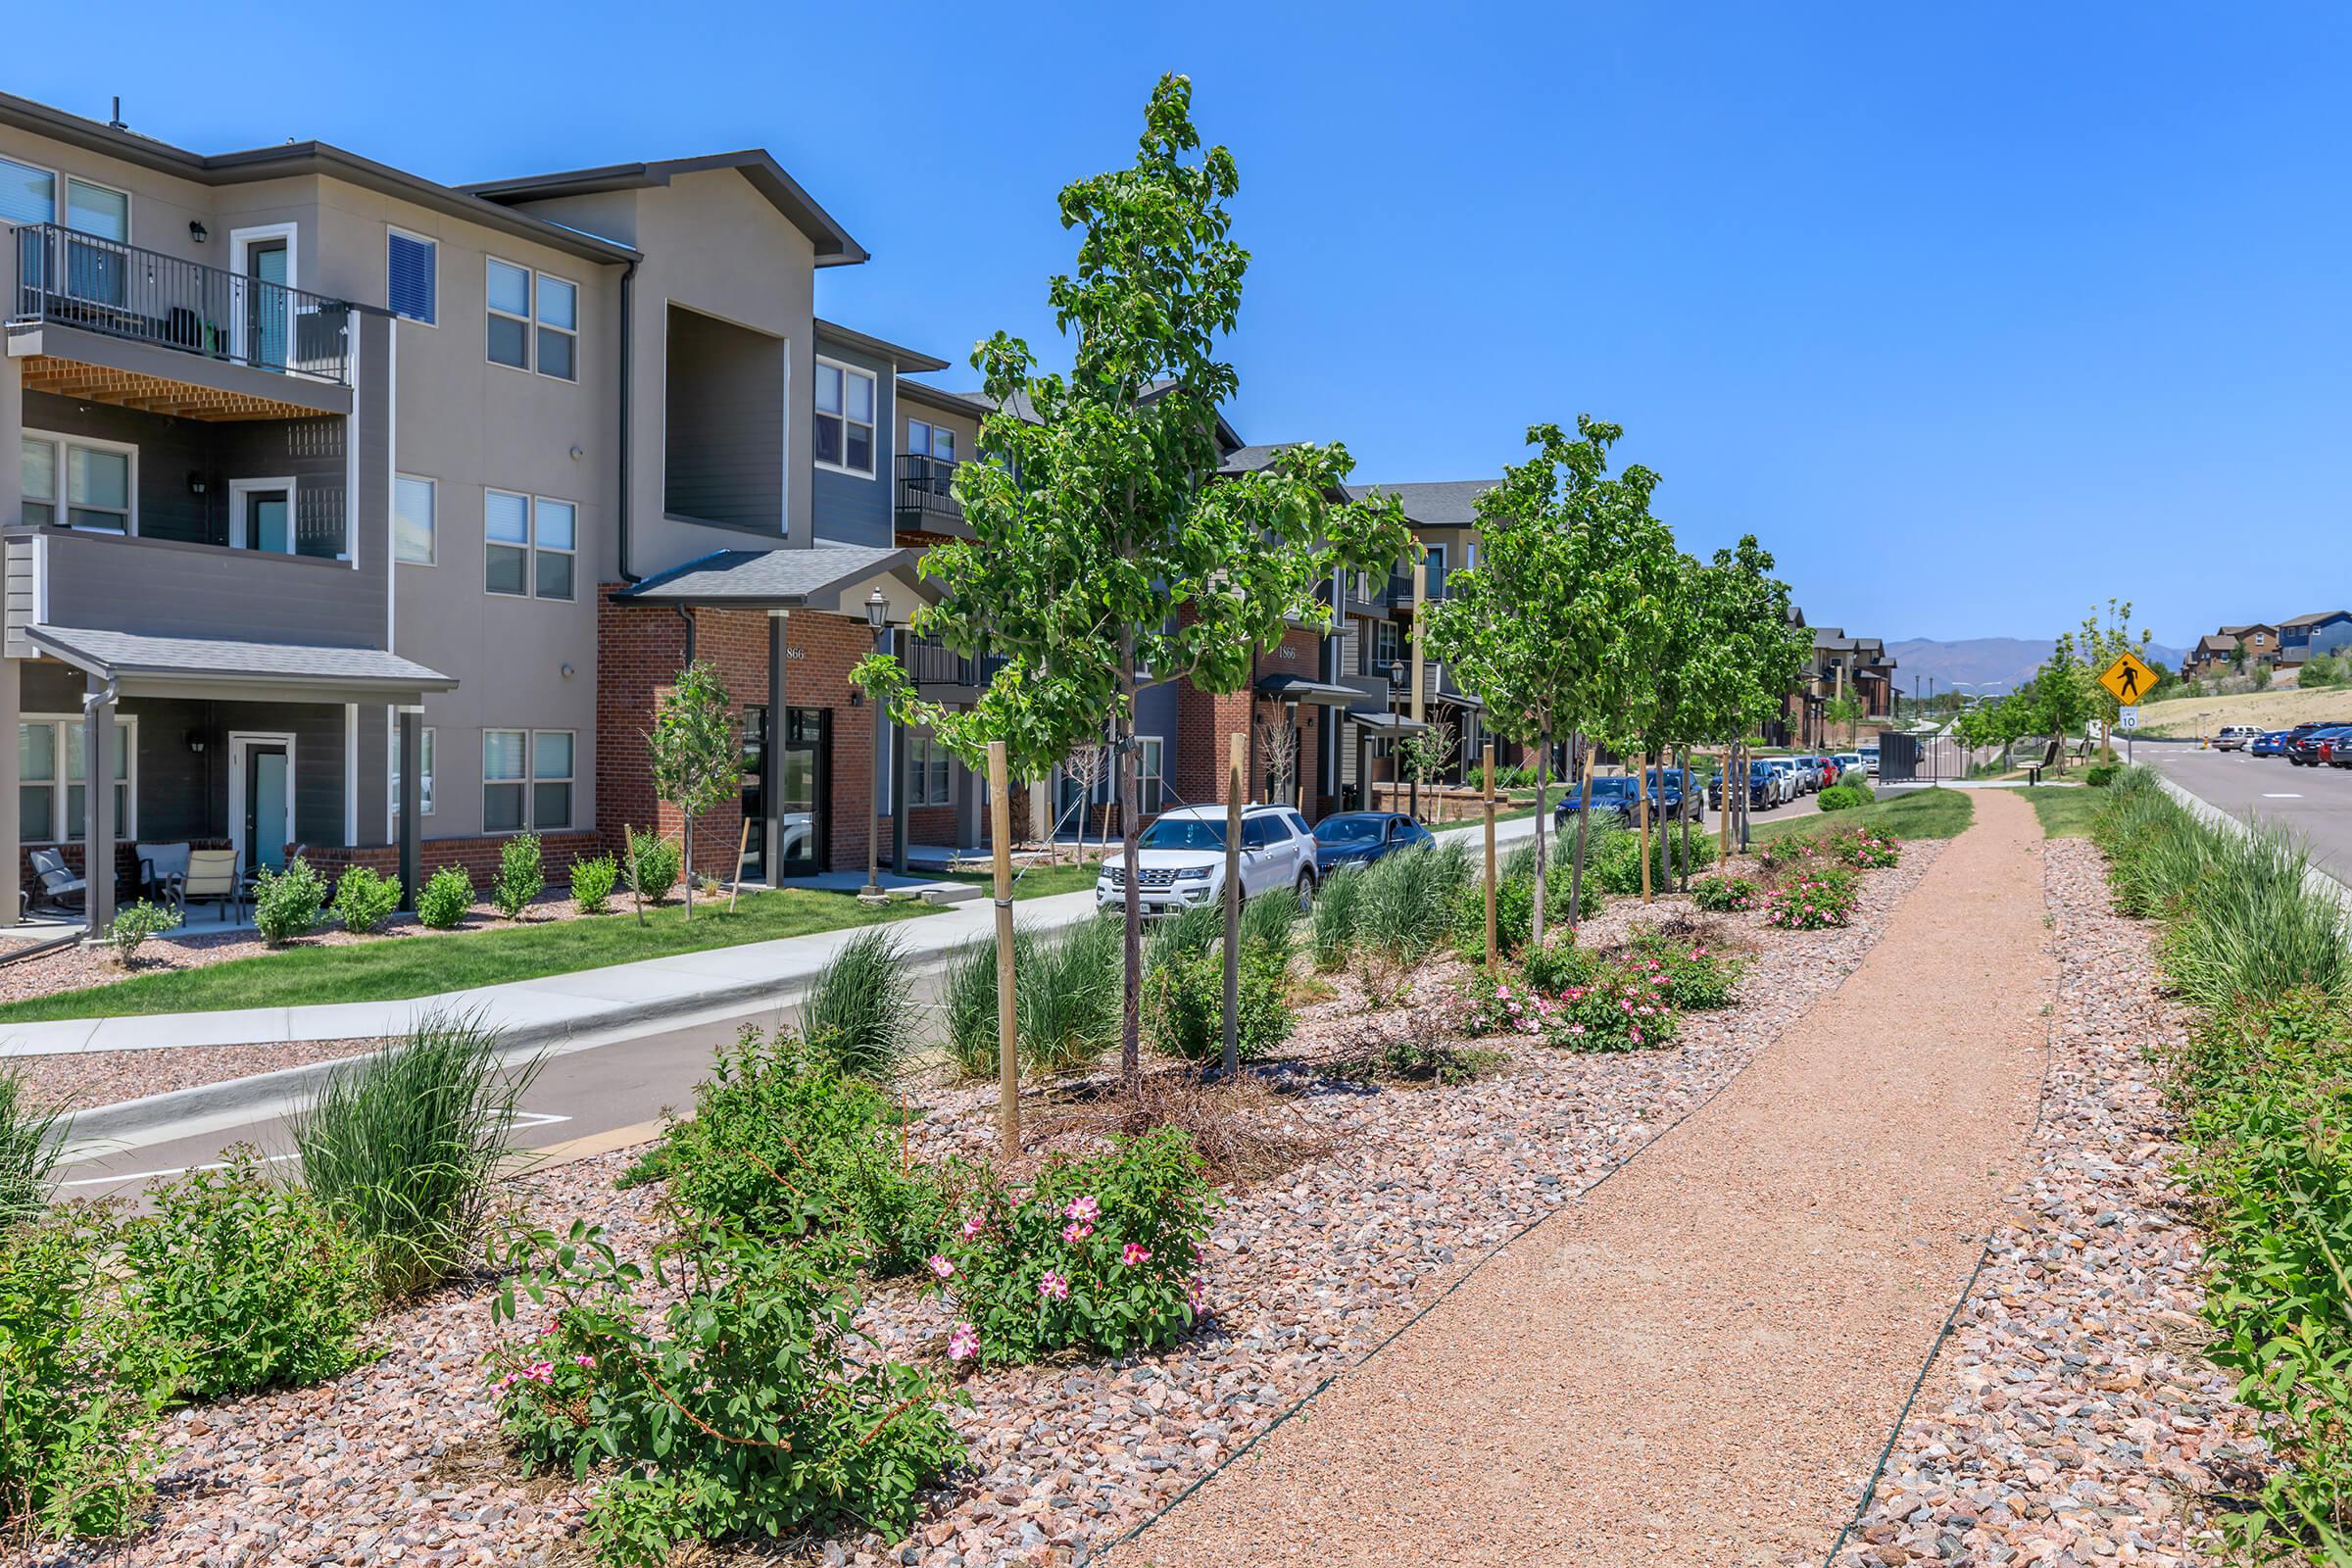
[[2128, 680], [2127, 718]]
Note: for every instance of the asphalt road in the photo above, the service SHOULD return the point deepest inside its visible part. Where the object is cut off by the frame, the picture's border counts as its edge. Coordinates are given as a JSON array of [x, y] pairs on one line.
[[2316, 802]]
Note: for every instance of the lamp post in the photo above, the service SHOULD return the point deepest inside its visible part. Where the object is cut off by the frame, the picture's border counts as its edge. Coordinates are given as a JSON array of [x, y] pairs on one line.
[[877, 616]]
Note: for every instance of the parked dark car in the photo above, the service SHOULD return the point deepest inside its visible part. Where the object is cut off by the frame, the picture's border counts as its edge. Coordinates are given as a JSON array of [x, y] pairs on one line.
[[1612, 795], [1761, 795], [1358, 838], [2269, 743], [2305, 740]]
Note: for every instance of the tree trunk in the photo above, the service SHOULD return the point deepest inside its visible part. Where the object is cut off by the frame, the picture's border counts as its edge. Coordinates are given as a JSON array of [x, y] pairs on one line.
[[1535, 930], [1688, 781], [1584, 825], [1666, 828], [1131, 1003], [686, 859]]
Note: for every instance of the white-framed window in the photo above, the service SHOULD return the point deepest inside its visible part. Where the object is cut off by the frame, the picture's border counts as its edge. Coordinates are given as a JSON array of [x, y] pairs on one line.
[[926, 769], [412, 276], [80, 482], [1434, 567], [1385, 646], [927, 440], [52, 794], [28, 193], [414, 499], [558, 328], [527, 778], [845, 419], [530, 546], [533, 320], [424, 776], [1149, 790]]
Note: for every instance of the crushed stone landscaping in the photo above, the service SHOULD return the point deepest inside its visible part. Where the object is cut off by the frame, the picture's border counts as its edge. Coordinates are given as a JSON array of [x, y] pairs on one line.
[[1402, 1190]]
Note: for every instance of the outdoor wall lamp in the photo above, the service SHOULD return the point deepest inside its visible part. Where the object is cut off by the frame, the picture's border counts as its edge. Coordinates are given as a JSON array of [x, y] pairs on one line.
[[197, 231], [195, 482], [196, 742], [878, 609]]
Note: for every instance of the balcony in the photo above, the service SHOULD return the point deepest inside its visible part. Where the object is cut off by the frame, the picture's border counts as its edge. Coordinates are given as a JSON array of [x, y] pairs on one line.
[[171, 588], [926, 496], [933, 663], [1399, 595]]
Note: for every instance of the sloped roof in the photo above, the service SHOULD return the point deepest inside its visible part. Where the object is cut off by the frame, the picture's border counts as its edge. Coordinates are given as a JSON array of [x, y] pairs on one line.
[[124, 654], [897, 355], [773, 579], [834, 246], [1434, 503], [2316, 617]]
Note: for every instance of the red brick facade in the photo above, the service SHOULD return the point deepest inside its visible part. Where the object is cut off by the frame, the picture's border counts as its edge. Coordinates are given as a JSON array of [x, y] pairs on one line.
[[1196, 768], [476, 856]]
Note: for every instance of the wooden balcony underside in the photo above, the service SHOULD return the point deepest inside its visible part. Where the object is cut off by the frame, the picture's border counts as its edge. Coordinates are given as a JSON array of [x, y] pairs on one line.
[[152, 394]]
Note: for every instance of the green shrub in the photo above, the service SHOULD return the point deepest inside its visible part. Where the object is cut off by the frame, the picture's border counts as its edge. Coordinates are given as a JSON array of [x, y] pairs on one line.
[[32, 1136], [968, 1002], [1500, 1005], [1859, 848], [1415, 1060], [729, 1404], [134, 925], [1515, 904], [1184, 1005], [1614, 862], [1331, 922], [286, 904], [782, 1144], [1724, 894], [1102, 1254], [2099, 775], [447, 898], [403, 1147], [1191, 929], [1698, 977], [860, 1014], [250, 1277], [1411, 898], [365, 901], [1842, 798], [651, 864], [1620, 1011], [82, 1383], [1813, 900], [1557, 963], [592, 882], [521, 875]]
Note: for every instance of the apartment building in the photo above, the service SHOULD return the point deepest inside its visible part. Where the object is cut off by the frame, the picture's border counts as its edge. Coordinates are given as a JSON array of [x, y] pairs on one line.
[[1839, 666]]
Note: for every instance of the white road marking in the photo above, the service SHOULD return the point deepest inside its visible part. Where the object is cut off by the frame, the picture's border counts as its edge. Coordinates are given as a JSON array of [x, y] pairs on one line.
[[2273, 795], [520, 1118]]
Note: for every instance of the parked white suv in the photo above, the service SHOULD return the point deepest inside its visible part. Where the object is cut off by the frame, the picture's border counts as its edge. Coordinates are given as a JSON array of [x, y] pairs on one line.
[[1183, 858]]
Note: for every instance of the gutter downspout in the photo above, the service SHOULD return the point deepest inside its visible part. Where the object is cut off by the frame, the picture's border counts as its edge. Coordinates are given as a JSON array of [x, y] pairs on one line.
[[89, 712], [628, 313]]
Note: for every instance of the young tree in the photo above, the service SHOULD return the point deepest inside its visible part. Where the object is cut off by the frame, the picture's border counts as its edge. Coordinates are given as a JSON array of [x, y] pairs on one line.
[[1103, 541], [696, 757], [1846, 712], [1559, 620], [2101, 645], [1425, 755], [1087, 767], [1278, 739]]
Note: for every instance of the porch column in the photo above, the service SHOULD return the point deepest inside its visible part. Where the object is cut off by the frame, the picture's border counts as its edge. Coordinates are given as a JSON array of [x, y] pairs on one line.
[[410, 803], [98, 806], [771, 758], [12, 706]]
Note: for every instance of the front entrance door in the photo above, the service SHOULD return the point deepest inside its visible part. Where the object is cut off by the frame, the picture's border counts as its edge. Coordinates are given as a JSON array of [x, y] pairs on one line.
[[806, 767], [262, 514], [261, 799], [268, 324], [754, 792]]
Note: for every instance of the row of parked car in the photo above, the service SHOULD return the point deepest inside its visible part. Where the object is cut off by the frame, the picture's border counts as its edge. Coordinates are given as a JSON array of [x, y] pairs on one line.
[[1181, 858], [2318, 743]]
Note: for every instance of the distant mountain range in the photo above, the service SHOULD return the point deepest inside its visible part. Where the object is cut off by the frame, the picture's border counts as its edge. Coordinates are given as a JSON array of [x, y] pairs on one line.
[[1985, 664]]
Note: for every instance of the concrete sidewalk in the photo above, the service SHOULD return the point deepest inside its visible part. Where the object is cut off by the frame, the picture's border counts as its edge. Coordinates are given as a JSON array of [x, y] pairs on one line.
[[558, 1005]]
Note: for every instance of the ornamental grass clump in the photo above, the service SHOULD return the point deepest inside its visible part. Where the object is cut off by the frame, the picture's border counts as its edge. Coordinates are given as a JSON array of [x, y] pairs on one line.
[[712, 1391], [968, 1000], [1815, 900], [32, 1137], [860, 1014], [1613, 862], [1066, 1004], [782, 1144], [1331, 922], [1409, 901], [1103, 1254], [403, 1147], [250, 1278]]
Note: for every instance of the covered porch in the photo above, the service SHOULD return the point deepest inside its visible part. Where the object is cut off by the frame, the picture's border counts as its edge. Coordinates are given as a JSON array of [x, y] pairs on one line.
[[263, 750]]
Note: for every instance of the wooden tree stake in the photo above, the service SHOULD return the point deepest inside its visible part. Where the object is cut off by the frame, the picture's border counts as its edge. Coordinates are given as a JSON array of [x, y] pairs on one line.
[[1009, 1082], [1236, 766], [1487, 763]]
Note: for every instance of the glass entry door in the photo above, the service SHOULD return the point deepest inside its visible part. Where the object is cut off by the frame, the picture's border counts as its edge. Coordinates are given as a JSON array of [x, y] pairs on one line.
[[261, 796], [805, 769], [265, 521], [754, 792]]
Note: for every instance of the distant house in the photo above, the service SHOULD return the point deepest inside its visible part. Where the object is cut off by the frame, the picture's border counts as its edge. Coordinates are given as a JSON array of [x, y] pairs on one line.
[[2323, 631], [2233, 647]]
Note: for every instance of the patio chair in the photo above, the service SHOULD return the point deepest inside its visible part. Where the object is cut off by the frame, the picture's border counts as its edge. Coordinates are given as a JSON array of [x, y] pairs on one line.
[[54, 884], [211, 877], [162, 869]]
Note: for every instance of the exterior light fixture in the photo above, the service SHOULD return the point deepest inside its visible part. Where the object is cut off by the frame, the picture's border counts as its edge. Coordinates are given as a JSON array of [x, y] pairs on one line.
[[197, 231], [878, 609]]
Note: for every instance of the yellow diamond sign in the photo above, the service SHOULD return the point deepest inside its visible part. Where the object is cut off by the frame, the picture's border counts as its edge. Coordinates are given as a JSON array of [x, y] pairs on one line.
[[2128, 679]]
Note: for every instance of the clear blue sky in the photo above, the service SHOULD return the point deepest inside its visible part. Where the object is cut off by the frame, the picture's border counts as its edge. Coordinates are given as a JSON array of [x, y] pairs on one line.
[[1972, 314]]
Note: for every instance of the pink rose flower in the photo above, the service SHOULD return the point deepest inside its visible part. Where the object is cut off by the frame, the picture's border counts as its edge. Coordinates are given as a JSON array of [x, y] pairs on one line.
[[964, 1343], [1053, 1287], [940, 1266], [1075, 1232], [1135, 1252], [1082, 1209], [973, 1227]]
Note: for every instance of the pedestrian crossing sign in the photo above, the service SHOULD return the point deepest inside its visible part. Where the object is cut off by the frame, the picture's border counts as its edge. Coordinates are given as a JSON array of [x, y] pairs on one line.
[[2127, 680]]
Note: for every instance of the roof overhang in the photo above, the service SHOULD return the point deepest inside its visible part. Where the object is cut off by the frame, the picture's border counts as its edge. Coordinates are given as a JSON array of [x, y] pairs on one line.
[[1300, 689], [898, 356], [1381, 722], [830, 579], [834, 246], [218, 668]]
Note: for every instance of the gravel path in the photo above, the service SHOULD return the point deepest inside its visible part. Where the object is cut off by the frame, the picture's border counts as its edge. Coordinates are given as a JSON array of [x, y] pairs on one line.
[[2071, 1418], [1698, 1363]]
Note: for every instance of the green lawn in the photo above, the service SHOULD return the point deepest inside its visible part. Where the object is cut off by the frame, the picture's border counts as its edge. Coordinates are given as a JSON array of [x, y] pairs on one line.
[[2065, 814], [1912, 814], [1038, 882], [416, 964]]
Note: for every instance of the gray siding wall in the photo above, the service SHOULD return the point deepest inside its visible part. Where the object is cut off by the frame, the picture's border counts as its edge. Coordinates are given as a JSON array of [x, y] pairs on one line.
[[723, 424], [178, 590], [852, 509]]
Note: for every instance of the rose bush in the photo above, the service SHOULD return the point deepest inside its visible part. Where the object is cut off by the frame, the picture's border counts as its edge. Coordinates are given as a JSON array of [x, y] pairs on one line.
[[1815, 900]]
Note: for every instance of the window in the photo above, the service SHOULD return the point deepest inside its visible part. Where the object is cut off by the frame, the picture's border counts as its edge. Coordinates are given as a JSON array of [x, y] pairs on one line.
[[530, 545], [413, 265], [51, 796], [558, 328], [927, 440], [507, 291], [926, 769], [1148, 792], [1261, 832], [1434, 566], [845, 419], [1384, 643], [28, 195], [93, 480], [425, 780], [413, 520], [527, 768]]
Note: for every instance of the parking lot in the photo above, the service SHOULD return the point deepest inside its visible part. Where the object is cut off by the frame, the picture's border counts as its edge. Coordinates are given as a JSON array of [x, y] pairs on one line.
[[2315, 802]]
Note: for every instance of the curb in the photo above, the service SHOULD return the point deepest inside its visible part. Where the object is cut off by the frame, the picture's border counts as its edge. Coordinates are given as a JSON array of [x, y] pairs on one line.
[[2315, 882]]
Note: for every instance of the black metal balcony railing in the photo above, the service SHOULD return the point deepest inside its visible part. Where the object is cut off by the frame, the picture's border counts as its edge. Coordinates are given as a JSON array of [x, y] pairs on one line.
[[927, 488], [1399, 595], [67, 278], [933, 663]]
